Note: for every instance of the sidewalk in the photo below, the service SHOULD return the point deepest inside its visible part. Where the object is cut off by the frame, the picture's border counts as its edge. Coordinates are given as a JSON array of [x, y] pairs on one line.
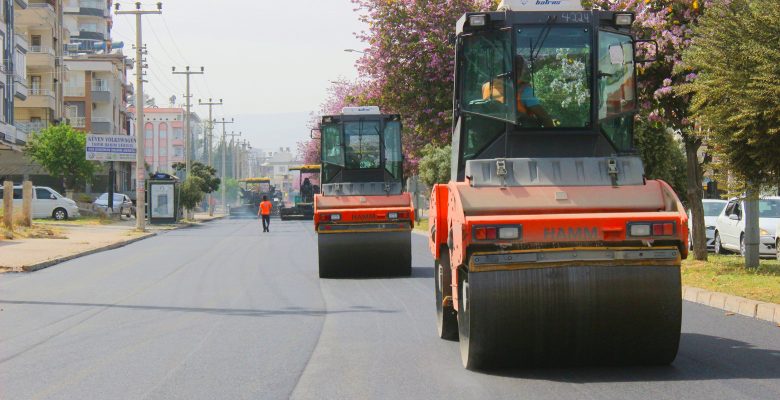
[[19, 255]]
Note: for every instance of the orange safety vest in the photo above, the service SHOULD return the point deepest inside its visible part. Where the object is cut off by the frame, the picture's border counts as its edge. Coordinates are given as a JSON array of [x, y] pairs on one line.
[[495, 91], [265, 208]]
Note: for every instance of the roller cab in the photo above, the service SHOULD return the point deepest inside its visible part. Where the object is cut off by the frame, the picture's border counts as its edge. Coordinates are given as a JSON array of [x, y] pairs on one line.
[[251, 192], [303, 207], [550, 246], [363, 218]]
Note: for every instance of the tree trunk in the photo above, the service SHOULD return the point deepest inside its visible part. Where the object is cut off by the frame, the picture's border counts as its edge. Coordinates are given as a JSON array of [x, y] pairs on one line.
[[694, 195], [8, 205], [752, 235]]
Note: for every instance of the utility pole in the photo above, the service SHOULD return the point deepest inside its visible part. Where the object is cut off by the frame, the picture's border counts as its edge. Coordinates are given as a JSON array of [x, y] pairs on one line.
[[209, 143], [140, 158], [211, 125], [187, 141], [234, 149], [222, 170]]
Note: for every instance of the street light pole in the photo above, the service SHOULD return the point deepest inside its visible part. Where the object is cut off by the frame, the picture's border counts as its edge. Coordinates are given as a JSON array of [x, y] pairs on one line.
[[140, 156], [234, 150], [187, 142]]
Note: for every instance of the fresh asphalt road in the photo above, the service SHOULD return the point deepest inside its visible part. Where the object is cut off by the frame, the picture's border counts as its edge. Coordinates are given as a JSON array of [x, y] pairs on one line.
[[223, 311]]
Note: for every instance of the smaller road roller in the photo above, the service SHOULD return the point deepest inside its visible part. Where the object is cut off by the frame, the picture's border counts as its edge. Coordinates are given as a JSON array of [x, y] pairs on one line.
[[363, 218]]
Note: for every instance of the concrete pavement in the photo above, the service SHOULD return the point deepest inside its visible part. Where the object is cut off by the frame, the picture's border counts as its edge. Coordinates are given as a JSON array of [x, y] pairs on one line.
[[32, 254], [222, 310]]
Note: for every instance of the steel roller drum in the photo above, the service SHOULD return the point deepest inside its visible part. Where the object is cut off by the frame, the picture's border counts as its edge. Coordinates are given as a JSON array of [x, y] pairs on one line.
[[364, 254], [574, 315]]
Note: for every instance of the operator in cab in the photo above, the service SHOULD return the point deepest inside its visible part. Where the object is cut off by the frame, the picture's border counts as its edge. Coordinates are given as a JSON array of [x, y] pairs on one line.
[[529, 107]]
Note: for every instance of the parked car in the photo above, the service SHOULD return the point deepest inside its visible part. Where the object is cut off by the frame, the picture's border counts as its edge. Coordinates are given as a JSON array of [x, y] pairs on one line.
[[122, 204], [712, 208], [46, 203], [730, 226], [777, 242]]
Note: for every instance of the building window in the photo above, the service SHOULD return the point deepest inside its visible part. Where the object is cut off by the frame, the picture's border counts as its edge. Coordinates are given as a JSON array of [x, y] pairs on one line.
[[163, 130], [147, 151], [163, 151], [148, 130], [178, 151], [177, 133]]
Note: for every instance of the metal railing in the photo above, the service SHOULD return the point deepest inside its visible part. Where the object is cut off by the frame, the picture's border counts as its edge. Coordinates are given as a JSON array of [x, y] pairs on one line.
[[41, 49], [40, 92], [78, 122], [30, 126], [101, 119], [92, 4], [100, 85]]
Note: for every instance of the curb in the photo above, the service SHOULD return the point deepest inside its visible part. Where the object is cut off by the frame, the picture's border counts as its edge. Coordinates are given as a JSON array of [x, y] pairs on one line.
[[55, 261], [733, 304]]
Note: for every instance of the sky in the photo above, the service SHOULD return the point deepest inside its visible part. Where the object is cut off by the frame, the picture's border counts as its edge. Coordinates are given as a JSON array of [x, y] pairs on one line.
[[270, 61]]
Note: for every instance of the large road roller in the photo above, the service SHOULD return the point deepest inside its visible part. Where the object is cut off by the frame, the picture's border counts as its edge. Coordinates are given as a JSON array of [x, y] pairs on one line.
[[362, 216], [303, 203], [551, 247]]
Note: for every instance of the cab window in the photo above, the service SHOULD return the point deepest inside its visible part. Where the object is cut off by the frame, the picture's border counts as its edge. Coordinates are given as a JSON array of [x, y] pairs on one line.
[[487, 85], [43, 194], [361, 145], [617, 93], [393, 157]]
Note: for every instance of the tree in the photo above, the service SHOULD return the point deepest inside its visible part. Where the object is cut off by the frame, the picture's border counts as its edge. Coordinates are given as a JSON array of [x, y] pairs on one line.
[[435, 164], [411, 61], [61, 151], [191, 193], [207, 174], [661, 154], [736, 95], [670, 24]]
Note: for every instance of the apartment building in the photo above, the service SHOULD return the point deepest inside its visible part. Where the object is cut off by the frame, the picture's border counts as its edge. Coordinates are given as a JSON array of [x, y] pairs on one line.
[[89, 22], [164, 136], [41, 25], [13, 75]]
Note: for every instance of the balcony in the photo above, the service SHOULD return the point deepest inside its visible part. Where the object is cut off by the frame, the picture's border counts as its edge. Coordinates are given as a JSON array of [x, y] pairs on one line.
[[37, 14], [95, 8], [78, 122], [90, 35], [40, 56], [102, 125], [27, 127], [101, 91], [39, 98], [20, 87]]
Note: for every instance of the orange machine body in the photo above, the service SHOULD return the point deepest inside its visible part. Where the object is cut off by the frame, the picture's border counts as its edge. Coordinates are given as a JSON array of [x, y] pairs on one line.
[[356, 213], [550, 220]]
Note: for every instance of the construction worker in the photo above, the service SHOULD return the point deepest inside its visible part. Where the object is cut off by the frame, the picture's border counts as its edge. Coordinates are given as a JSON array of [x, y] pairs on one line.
[[528, 105], [264, 212]]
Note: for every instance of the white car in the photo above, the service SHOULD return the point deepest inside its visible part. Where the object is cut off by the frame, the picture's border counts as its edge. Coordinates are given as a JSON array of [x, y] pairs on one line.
[[730, 226], [46, 203], [122, 204], [712, 208]]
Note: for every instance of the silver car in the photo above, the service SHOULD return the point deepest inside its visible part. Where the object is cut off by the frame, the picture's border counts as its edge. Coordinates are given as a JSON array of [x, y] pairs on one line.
[[122, 204], [712, 208], [730, 226]]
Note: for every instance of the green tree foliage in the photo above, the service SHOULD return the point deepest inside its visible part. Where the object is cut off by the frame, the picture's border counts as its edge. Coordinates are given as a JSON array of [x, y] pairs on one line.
[[736, 95], [231, 190], [662, 155], [61, 151], [206, 173], [191, 193], [435, 164]]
